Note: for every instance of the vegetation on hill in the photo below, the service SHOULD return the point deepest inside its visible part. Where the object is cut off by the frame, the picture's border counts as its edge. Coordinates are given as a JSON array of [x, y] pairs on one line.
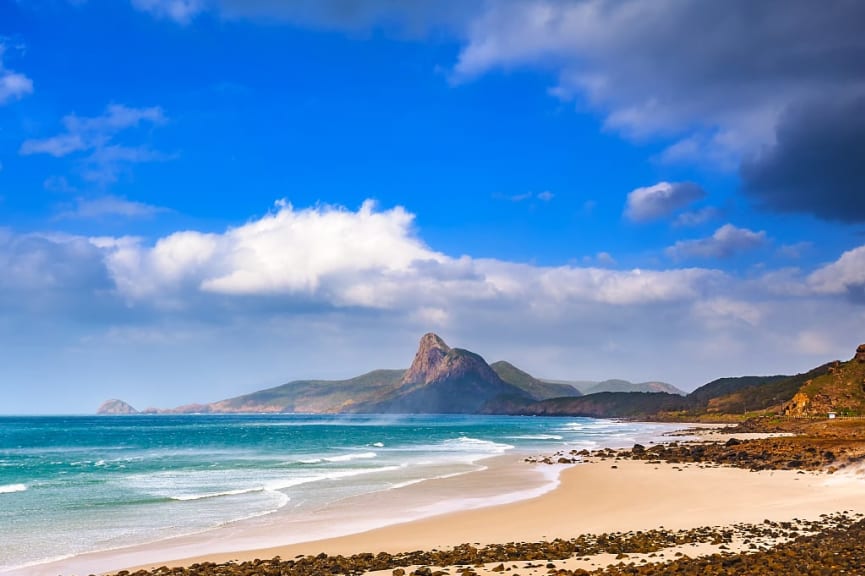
[[317, 396], [537, 389], [836, 387], [600, 405], [442, 379]]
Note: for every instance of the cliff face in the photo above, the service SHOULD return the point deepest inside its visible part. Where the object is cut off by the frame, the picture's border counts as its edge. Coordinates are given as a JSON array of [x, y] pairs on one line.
[[428, 361], [116, 407]]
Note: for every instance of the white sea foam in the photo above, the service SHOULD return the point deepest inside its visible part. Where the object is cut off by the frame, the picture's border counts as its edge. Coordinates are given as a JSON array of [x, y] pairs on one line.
[[469, 444], [351, 456], [187, 497], [336, 475], [377, 444], [10, 488], [536, 437]]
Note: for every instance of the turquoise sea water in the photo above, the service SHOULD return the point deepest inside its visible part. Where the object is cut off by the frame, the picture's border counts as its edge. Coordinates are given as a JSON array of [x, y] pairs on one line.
[[70, 485]]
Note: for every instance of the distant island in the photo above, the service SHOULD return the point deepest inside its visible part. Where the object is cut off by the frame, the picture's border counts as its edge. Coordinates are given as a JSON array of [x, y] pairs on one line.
[[449, 380]]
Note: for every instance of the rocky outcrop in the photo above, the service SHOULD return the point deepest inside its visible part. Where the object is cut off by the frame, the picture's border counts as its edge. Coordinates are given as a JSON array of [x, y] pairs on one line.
[[427, 363], [115, 406], [445, 380], [798, 406], [840, 389]]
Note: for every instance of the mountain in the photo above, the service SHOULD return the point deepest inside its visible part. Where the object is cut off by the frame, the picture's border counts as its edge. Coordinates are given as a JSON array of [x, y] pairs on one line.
[[835, 387], [314, 396], [726, 386], [616, 385], [839, 387], [586, 387], [444, 380], [537, 389], [115, 406], [440, 380], [750, 393]]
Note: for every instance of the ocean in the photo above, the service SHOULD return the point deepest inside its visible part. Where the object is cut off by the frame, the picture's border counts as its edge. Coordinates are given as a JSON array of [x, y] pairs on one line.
[[76, 484]]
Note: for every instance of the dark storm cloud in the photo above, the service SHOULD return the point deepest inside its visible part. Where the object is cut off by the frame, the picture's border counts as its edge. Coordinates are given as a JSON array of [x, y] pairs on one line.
[[817, 164]]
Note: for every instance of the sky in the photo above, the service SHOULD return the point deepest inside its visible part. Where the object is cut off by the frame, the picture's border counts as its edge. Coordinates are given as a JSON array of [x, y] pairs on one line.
[[203, 198]]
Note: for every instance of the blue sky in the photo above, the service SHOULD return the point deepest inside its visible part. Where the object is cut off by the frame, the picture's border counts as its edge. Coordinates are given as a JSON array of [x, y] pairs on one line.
[[200, 198]]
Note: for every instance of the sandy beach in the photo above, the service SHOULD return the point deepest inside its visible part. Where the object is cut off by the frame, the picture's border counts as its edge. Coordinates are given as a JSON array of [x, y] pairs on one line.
[[508, 501]]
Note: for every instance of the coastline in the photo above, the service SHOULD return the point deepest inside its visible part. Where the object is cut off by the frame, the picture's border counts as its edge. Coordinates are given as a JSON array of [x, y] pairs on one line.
[[509, 500], [597, 498], [499, 480]]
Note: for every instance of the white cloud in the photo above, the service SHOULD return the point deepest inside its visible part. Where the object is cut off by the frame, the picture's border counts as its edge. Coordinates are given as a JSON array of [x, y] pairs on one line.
[[94, 137], [288, 251], [844, 276], [92, 133], [727, 241], [105, 206], [13, 85], [661, 199], [366, 258], [331, 292]]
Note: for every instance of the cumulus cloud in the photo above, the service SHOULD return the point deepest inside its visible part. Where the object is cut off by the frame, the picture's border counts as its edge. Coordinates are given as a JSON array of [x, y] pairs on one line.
[[367, 258], [287, 251], [13, 85], [661, 199], [817, 163], [333, 291], [95, 139], [844, 276], [727, 241]]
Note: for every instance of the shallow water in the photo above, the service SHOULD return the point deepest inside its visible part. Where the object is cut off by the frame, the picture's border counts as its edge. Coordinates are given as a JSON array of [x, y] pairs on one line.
[[70, 485]]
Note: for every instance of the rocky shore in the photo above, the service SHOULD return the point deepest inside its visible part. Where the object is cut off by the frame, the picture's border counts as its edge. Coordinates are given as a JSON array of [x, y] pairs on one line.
[[788, 444], [828, 546]]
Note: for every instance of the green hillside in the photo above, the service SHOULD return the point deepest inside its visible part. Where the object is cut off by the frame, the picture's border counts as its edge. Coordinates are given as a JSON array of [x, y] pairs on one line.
[[315, 395], [537, 389]]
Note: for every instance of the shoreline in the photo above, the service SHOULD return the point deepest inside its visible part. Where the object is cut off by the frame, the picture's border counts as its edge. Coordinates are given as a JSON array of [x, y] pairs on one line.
[[499, 480], [674, 497], [567, 501]]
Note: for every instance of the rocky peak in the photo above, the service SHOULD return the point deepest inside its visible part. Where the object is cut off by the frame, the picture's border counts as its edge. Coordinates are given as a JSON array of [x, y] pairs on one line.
[[860, 354], [430, 354], [115, 406]]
